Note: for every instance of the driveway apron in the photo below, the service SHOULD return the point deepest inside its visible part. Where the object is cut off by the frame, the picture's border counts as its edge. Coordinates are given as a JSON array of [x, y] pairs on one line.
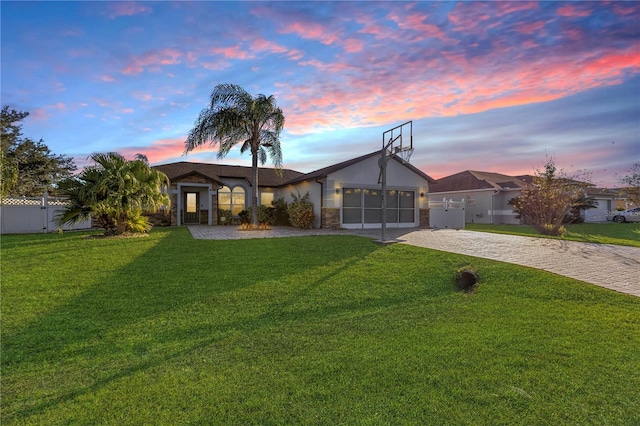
[[610, 266]]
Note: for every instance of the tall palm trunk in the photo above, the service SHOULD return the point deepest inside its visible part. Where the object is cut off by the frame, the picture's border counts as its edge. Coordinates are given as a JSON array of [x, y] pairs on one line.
[[254, 188]]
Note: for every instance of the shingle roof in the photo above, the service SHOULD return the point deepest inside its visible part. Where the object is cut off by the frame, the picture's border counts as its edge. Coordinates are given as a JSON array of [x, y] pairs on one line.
[[266, 176], [325, 171], [473, 180], [217, 172]]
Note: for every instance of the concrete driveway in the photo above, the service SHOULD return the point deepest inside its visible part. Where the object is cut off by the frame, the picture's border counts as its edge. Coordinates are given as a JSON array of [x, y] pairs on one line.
[[611, 266]]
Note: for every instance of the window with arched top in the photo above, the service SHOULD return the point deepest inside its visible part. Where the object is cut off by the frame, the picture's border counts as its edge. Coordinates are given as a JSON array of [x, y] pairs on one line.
[[232, 199]]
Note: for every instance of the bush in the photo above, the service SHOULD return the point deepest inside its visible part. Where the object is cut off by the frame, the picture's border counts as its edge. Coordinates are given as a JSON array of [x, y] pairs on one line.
[[245, 217], [224, 217], [551, 200], [280, 213], [136, 222], [266, 215], [549, 229], [301, 211]]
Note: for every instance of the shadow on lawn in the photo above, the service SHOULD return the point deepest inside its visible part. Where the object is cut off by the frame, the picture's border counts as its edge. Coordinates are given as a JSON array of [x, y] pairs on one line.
[[90, 327]]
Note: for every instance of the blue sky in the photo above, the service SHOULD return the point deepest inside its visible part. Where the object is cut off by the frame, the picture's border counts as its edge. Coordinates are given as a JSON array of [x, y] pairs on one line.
[[490, 86]]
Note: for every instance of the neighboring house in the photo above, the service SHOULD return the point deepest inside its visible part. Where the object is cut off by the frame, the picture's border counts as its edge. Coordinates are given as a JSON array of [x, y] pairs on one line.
[[605, 200], [486, 195], [344, 195]]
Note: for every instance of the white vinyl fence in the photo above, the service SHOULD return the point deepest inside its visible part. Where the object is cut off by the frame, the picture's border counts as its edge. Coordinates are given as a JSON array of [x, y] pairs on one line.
[[30, 215], [446, 214]]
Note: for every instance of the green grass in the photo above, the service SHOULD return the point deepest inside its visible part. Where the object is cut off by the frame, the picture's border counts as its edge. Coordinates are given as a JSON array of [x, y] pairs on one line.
[[625, 234], [311, 330]]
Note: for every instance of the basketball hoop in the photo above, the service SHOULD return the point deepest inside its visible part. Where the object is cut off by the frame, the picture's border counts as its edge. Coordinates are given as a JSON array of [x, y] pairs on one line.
[[405, 155], [393, 145]]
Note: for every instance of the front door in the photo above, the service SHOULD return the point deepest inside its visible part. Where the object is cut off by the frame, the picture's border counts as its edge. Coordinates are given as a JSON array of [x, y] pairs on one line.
[[192, 207]]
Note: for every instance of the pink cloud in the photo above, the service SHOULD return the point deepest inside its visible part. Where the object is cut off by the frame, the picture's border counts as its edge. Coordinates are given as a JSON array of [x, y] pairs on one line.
[[145, 97], [471, 85], [626, 9], [152, 60], [262, 45], [312, 31], [353, 45], [116, 9], [214, 65], [530, 27], [506, 7], [331, 67], [415, 21], [232, 52], [163, 150], [371, 26], [572, 11], [39, 114], [472, 17]]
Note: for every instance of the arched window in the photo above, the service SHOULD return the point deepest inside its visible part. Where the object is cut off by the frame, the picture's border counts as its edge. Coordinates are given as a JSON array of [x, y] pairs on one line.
[[233, 200], [237, 200]]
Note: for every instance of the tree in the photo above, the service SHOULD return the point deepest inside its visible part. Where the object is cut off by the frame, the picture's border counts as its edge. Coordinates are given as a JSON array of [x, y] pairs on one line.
[[234, 116], [632, 185], [10, 134], [29, 168], [115, 192], [546, 202]]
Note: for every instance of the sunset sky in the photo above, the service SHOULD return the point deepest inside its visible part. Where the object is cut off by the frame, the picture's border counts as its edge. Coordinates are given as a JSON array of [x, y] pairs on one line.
[[490, 86]]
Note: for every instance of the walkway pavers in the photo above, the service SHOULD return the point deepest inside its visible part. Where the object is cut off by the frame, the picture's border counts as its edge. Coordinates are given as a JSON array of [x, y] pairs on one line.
[[610, 266]]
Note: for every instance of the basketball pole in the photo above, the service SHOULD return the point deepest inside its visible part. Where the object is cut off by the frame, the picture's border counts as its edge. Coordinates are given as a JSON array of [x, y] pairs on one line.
[[382, 163], [383, 171]]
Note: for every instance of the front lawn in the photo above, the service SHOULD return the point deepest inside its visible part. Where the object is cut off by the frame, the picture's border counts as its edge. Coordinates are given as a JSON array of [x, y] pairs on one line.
[[624, 234], [320, 330]]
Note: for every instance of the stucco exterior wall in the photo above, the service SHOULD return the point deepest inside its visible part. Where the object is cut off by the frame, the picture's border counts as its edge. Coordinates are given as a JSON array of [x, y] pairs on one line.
[[326, 193], [366, 175]]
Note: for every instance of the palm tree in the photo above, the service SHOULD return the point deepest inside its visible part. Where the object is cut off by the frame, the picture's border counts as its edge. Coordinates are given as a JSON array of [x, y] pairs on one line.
[[115, 192], [234, 116]]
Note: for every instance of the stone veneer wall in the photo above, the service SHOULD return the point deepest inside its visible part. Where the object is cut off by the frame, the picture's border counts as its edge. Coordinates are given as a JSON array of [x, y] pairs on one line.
[[424, 218], [174, 206], [330, 218], [214, 206]]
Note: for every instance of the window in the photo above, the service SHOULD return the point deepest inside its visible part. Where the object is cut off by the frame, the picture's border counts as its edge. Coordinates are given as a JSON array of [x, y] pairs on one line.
[[233, 200], [365, 206], [407, 206], [266, 198], [192, 202], [471, 200], [372, 206], [352, 205]]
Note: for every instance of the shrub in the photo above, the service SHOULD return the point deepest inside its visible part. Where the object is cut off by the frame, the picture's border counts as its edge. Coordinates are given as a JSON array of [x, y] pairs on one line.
[[224, 217], [280, 214], [136, 222], [301, 211], [550, 199], [549, 229], [245, 217], [266, 215]]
